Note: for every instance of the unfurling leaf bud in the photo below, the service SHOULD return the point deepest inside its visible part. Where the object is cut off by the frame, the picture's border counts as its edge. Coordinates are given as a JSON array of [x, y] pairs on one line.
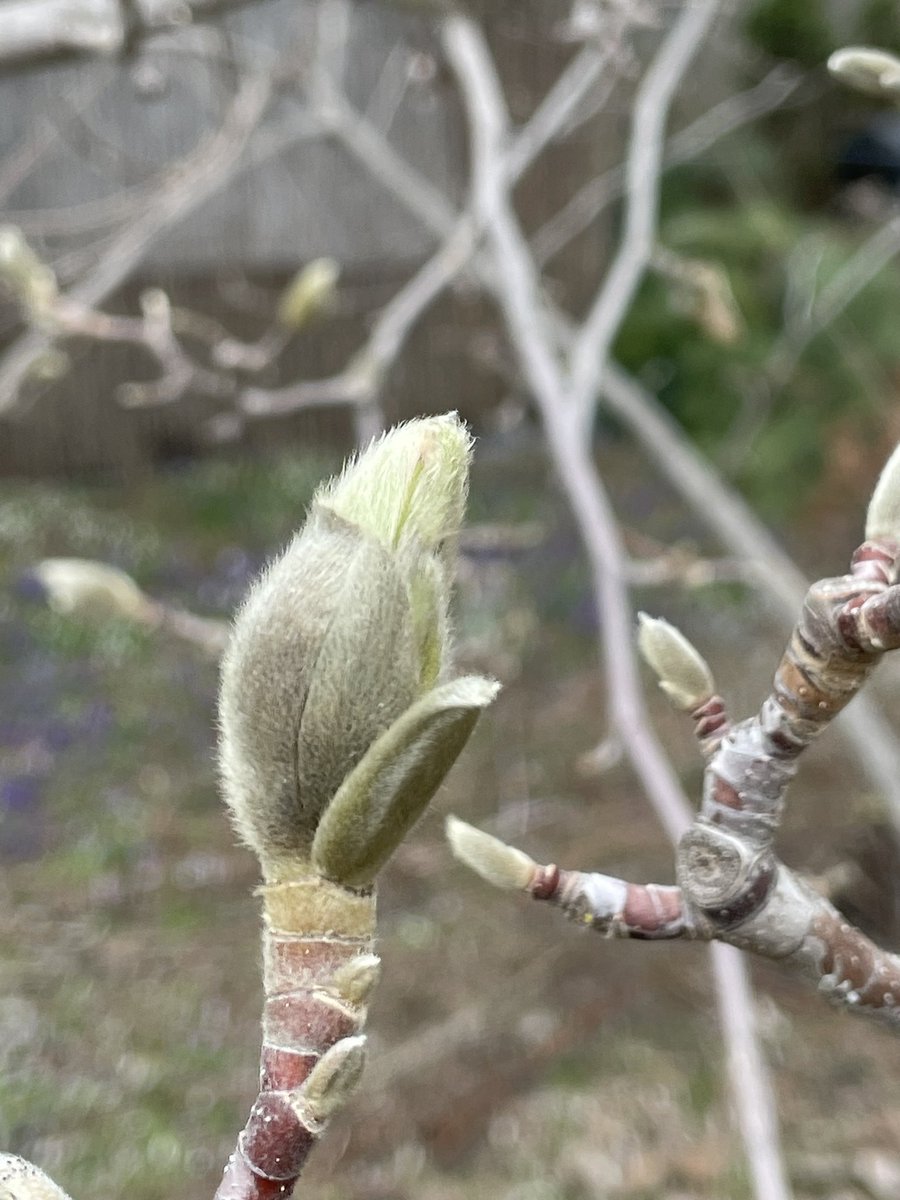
[[20, 1180], [387, 791], [503, 866], [337, 724], [883, 518], [83, 587], [683, 674], [309, 294], [867, 69]]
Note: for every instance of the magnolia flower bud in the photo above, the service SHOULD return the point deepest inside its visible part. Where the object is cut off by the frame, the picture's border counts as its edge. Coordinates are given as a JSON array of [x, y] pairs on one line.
[[501, 865], [337, 722], [869, 70], [80, 586], [883, 518], [27, 277], [683, 674], [309, 293], [333, 1079], [19, 1180]]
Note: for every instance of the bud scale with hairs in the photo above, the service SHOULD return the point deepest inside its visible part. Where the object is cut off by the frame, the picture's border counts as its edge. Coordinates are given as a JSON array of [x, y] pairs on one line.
[[339, 719], [19, 1180]]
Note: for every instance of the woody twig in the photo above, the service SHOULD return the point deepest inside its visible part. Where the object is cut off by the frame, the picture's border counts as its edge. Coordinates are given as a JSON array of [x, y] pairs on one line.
[[731, 885]]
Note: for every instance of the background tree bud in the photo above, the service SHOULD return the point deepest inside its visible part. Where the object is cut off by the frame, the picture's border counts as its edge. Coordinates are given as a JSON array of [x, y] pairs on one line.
[[80, 586], [309, 294], [867, 69]]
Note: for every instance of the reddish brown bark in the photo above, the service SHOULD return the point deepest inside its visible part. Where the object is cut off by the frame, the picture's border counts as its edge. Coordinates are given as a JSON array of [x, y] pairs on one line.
[[733, 887], [307, 1010]]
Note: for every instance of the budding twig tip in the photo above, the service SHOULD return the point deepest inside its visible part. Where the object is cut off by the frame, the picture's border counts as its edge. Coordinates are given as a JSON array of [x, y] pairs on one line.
[[683, 673], [868, 69], [883, 518], [501, 865]]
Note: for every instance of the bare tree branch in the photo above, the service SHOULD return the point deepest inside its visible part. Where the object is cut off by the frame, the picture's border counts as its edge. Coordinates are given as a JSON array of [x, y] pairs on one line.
[[210, 168], [519, 296], [689, 143], [642, 170], [35, 29], [721, 508]]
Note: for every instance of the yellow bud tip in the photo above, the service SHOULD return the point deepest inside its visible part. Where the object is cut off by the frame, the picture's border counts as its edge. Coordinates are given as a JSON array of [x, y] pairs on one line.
[[683, 673], [867, 69], [501, 865], [883, 519], [79, 586], [409, 485], [309, 293]]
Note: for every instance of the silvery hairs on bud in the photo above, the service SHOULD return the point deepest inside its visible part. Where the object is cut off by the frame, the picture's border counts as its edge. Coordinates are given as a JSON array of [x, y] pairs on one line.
[[20, 1180], [342, 634]]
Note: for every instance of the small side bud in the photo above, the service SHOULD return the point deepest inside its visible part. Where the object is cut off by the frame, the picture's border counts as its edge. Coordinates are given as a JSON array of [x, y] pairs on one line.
[[355, 980], [81, 587], [333, 1078], [867, 69], [883, 519], [309, 294], [20, 1180], [501, 865], [683, 674]]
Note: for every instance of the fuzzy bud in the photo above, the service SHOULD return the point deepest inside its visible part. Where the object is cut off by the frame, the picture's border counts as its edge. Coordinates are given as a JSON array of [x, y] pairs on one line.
[[683, 674], [81, 587], [336, 725], [356, 979], [20, 1180], [30, 280], [310, 293], [501, 865], [883, 518], [867, 69], [333, 1079]]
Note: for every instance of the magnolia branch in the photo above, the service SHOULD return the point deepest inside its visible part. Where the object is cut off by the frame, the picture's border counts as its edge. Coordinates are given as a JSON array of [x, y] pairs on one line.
[[732, 887], [518, 293], [34, 29], [642, 174], [211, 166], [689, 143]]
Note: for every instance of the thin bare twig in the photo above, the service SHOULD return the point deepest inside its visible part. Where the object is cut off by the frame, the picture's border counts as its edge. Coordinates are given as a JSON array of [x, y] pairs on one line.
[[642, 170], [776, 574], [519, 295], [210, 169], [360, 383], [689, 143]]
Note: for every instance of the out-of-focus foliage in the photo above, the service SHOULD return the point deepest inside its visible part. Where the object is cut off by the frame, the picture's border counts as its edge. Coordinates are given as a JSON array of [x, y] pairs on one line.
[[807, 31], [879, 24], [797, 29], [805, 359]]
